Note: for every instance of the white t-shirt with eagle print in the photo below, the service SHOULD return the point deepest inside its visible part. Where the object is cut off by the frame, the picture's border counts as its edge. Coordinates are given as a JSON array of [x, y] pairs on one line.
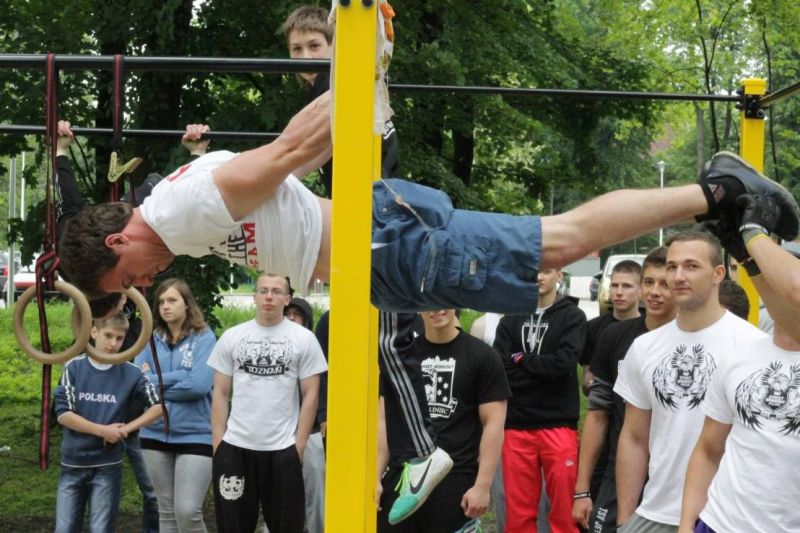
[[756, 488], [668, 372]]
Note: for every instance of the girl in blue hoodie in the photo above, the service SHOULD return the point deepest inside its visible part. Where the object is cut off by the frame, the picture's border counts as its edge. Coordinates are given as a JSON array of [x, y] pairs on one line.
[[179, 462]]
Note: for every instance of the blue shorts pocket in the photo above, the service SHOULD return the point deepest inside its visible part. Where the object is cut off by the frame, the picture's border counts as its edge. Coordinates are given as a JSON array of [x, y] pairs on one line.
[[457, 261]]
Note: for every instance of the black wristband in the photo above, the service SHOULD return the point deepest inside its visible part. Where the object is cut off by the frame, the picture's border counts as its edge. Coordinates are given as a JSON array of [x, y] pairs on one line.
[[581, 495]]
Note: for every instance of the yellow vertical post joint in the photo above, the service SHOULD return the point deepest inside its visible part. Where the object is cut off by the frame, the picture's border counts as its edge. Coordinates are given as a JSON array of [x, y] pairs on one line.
[[352, 391], [751, 148]]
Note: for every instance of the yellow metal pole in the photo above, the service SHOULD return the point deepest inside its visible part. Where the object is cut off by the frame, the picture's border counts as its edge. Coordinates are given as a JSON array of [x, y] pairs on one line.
[[751, 148], [353, 390]]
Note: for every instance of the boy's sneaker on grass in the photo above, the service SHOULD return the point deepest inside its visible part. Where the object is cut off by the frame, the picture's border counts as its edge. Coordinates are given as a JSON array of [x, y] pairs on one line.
[[419, 478]]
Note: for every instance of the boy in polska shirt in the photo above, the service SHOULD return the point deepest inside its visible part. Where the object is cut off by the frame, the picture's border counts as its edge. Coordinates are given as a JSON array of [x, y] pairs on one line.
[[92, 400]]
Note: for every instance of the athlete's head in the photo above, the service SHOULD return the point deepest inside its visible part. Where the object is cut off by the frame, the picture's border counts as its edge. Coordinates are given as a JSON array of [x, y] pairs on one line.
[[271, 298], [655, 291], [85, 258], [694, 269], [548, 281], [624, 287], [733, 298], [101, 255], [176, 307], [308, 35], [109, 332]]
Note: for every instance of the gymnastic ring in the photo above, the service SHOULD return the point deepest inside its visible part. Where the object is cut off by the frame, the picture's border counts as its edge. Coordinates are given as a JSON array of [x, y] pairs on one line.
[[144, 336], [81, 333]]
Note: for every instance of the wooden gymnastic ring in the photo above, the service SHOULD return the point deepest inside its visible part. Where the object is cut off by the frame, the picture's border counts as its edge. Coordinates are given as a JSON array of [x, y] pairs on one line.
[[81, 333], [144, 336]]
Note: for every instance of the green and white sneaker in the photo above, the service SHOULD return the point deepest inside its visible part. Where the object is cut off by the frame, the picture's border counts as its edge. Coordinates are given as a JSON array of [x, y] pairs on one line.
[[419, 478]]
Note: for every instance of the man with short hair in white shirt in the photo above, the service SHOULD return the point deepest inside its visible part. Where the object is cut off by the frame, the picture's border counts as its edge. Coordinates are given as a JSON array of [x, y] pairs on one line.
[[258, 451], [664, 379], [740, 475]]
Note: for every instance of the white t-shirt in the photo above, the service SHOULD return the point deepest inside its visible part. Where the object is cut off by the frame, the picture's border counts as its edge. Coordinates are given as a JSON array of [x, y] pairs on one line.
[[668, 371], [266, 363], [281, 236], [756, 488], [490, 324]]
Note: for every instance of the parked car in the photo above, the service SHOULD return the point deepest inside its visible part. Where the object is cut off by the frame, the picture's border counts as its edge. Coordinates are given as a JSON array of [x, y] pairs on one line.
[[594, 286], [604, 295], [25, 277], [4, 268]]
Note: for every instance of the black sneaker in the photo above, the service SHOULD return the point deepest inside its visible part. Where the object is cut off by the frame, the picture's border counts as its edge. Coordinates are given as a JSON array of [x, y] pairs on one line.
[[727, 176]]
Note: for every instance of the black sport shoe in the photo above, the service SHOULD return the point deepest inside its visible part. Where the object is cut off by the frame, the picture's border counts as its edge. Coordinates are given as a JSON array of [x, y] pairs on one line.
[[727, 176]]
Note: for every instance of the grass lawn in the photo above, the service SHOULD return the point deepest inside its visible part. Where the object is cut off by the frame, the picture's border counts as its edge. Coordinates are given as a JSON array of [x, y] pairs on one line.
[[28, 495]]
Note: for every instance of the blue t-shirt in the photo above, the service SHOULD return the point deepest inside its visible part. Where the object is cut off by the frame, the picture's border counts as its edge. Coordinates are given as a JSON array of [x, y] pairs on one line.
[[99, 393]]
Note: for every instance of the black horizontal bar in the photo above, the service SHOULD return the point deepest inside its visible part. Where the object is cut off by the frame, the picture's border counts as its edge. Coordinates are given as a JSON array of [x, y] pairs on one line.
[[173, 63], [229, 135], [529, 91], [781, 94], [243, 64]]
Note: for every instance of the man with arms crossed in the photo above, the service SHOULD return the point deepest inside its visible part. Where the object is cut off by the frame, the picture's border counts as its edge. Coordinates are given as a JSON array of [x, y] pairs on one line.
[[664, 379], [606, 409], [258, 451]]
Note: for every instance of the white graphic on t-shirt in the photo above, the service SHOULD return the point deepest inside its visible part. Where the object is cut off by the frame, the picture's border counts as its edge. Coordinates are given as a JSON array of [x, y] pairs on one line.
[[683, 375], [187, 359], [231, 487], [771, 394], [240, 246], [439, 376], [264, 356]]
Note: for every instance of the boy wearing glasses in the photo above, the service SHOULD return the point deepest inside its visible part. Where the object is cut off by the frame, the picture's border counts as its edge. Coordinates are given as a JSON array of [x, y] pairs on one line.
[[258, 450]]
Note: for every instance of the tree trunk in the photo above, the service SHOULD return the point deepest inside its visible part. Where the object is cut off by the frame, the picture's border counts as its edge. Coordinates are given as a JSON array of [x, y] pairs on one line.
[[700, 125], [160, 92], [464, 143]]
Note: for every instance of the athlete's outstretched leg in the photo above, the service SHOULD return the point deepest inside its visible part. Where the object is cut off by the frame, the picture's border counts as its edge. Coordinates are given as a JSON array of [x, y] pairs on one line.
[[615, 217], [621, 215]]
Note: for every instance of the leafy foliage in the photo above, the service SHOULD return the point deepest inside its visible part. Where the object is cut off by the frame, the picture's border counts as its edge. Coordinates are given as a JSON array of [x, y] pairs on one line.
[[517, 154]]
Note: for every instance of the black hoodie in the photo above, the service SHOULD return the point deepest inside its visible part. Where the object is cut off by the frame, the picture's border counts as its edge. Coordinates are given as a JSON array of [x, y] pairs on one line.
[[305, 308], [543, 380]]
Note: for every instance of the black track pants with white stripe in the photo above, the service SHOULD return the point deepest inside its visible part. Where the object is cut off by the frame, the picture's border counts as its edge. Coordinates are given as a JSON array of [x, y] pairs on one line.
[[408, 424]]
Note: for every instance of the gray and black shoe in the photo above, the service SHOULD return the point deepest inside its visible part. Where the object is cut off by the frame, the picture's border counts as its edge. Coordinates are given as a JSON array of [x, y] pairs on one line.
[[727, 176]]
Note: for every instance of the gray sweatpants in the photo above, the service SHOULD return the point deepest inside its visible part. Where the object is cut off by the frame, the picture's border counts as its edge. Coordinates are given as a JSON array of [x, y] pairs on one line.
[[314, 483], [181, 483]]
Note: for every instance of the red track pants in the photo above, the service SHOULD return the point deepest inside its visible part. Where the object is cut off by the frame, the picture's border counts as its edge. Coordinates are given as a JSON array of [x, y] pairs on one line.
[[526, 455]]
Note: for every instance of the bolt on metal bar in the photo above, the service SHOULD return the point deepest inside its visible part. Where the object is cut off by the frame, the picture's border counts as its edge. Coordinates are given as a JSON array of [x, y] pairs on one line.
[[229, 135], [779, 95]]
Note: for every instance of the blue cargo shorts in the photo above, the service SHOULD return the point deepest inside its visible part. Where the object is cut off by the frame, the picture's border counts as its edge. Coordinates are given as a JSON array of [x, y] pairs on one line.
[[427, 255]]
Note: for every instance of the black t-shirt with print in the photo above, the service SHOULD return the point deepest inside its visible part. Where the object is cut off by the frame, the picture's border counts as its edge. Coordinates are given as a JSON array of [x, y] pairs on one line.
[[611, 350], [459, 376]]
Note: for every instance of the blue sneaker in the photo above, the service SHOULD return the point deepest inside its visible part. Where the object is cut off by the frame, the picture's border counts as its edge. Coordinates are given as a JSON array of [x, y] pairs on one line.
[[419, 478]]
